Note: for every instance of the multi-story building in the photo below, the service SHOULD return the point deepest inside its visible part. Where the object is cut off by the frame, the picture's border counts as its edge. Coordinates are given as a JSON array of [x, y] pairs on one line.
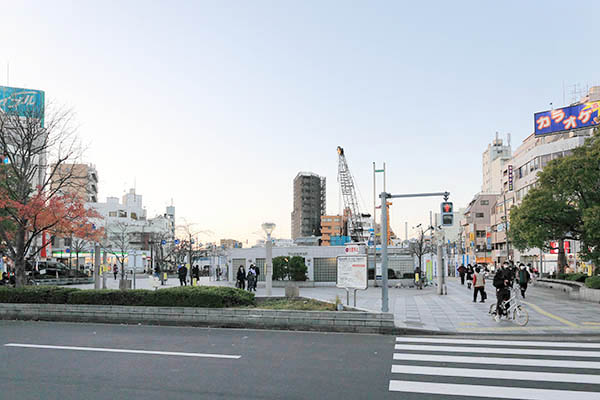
[[332, 225], [476, 225], [230, 244], [549, 141], [125, 219], [79, 180], [309, 205], [494, 158]]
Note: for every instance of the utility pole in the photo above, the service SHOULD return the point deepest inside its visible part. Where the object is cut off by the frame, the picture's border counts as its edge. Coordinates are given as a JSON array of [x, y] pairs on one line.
[[384, 254], [506, 229]]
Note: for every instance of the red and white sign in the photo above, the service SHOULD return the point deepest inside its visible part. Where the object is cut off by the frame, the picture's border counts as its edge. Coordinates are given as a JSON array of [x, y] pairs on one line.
[[352, 250], [554, 246]]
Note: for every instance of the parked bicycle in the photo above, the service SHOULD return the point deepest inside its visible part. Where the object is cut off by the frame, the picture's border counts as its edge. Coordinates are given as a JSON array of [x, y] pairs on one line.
[[515, 311]]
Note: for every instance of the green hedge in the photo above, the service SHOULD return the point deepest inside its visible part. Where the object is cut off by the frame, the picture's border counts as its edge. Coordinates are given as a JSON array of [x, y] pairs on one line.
[[36, 294], [199, 296], [593, 282], [579, 277]]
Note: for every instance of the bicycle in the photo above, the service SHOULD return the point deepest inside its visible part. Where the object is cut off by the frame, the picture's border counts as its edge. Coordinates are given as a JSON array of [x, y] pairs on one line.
[[515, 312]]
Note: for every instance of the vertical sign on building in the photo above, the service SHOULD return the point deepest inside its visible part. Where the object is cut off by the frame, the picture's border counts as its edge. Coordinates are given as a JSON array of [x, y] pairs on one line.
[[510, 177]]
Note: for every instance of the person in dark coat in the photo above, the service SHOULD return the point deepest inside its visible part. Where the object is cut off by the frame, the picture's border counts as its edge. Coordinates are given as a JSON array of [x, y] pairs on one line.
[[115, 271], [501, 280], [196, 273], [470, 272], [241, 278], [182, 273], [524, 278], [461, 272]]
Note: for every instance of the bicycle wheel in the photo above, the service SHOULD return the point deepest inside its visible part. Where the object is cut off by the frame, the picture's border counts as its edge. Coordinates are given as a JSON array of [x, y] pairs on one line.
[[492, 309], [521, 316]]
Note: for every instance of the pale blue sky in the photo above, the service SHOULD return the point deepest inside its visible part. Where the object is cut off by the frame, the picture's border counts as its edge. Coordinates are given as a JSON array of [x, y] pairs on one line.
[[220, 104]]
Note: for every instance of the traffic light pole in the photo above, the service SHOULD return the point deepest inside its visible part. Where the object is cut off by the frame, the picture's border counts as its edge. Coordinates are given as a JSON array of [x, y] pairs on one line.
[[384, 196]]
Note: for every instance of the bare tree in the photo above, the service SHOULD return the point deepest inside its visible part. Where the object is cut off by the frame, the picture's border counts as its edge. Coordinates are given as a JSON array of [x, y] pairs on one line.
[[37, 149], [117, 242], [419, 248]]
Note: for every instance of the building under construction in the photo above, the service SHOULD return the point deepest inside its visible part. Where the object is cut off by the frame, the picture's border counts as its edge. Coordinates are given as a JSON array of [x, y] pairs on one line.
[[309, 205]]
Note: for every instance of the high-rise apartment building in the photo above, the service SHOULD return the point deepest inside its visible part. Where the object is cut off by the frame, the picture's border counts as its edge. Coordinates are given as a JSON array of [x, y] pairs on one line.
[[494, 158], [80, 180], [331, 225], [309, 205]]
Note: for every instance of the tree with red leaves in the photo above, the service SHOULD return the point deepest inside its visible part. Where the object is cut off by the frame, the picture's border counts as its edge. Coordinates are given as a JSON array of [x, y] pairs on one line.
[[35, 146]]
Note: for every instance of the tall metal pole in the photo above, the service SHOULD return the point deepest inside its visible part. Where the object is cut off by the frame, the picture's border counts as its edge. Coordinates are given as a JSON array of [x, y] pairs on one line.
[[374, 230], [269, 265], [384, 254], [506, 229], [96, 266]]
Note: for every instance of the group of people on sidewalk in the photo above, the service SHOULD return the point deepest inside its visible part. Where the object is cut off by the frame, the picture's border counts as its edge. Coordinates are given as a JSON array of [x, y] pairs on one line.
[[251, 277], [504, 279]]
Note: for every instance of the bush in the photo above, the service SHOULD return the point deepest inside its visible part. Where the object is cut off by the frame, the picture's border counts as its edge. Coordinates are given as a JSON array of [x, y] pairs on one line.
[[593, 282], [280, 268], [187, 296], [36, 294], [137, 297], [297, 269], [579, 277], [202, 296]]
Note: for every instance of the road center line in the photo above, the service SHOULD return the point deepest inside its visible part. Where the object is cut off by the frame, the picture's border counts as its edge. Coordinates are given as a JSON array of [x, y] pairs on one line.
[[107, 350]]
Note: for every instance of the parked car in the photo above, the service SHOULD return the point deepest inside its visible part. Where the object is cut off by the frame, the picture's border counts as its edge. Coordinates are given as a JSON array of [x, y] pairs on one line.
[[52, 270]]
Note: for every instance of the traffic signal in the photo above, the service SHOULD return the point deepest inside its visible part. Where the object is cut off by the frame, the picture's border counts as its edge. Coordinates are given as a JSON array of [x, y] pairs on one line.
[[447, 214]]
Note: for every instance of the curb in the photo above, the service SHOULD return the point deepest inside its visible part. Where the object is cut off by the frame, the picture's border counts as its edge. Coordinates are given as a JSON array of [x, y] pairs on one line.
[[246, 318]]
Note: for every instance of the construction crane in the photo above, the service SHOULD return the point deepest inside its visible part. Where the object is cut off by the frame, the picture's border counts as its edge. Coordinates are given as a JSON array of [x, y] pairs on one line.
[[355, 218]]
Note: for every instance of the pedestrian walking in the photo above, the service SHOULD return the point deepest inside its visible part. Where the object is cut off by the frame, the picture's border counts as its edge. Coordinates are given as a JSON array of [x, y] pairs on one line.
[[182, 273], [479, 285], [241, 278], [524, 278], [218, 273], [470, 272], [251, 277], [115, 271], [461, 272]]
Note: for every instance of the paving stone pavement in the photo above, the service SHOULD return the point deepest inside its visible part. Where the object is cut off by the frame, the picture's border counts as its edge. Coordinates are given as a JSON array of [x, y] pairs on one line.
[[550, 311]]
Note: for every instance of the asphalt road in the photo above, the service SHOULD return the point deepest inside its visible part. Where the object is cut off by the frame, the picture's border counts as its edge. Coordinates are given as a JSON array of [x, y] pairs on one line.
[[273, 364], [129, 362]]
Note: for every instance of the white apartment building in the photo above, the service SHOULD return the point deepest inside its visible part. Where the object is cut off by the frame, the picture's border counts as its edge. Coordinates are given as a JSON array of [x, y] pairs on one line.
[[494, 158]]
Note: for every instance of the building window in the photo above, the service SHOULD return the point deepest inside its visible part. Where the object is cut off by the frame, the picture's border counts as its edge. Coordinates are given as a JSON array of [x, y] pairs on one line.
[[325, 269], [485, 202], [478, 215], [112, 213], [122, 214], [133, 215]]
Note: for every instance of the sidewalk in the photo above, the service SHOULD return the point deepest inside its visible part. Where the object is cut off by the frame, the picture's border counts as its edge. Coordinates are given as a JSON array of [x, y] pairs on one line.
[[550, 311]]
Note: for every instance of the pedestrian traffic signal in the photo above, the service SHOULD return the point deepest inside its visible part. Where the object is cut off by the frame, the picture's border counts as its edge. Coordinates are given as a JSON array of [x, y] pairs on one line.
[[447, 214]]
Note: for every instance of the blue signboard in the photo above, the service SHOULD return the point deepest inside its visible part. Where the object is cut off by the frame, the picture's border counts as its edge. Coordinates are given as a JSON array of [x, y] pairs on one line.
[[25, 102], [567, 118]]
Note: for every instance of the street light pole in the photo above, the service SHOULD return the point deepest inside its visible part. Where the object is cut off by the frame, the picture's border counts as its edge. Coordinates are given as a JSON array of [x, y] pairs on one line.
[[268, 227]]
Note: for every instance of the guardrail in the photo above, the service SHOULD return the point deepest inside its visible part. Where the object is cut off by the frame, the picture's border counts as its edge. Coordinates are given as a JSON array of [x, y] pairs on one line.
[[63, 281]]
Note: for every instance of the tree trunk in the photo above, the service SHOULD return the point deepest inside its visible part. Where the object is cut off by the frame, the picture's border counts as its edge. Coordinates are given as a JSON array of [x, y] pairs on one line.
[[562, 258], [20, 278]]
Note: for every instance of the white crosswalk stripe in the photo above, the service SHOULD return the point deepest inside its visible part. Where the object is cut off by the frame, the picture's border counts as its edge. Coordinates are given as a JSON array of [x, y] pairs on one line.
[[543, 370]]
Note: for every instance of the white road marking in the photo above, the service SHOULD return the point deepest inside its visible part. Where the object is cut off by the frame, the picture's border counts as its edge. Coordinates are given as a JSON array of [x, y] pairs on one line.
[[487, 350], [498, 361], [496, 392], [498, 342], [496, 374], [102, 349]]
